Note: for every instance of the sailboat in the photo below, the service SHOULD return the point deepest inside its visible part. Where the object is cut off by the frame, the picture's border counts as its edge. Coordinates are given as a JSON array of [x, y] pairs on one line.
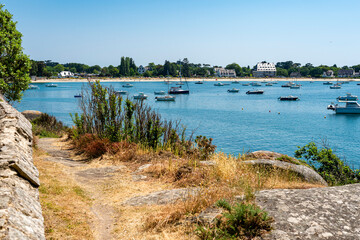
[[179, 90], [166, 98]]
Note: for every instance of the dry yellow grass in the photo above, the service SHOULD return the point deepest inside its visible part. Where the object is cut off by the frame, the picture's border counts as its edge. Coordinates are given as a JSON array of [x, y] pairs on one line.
[[64, 204]]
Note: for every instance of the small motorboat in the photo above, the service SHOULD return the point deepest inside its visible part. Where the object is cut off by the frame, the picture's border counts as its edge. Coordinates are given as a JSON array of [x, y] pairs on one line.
[[335, 86], [289, 84], [226, 84], [346, 98], [274, 82], [255, 84], [219, 84], [33, 87], [199, 82], [166, 98], [268, 84], [255, 92], [289, 98], [121, 92], [234, 90], [351, 107], [159, 92], [141, 96], [327, 83], [178, 90], [358, 84], [51, 85], [78, 96], [345, 82], [179, 83], [296, 86], [128, 85], [246, 84], [235, 82]]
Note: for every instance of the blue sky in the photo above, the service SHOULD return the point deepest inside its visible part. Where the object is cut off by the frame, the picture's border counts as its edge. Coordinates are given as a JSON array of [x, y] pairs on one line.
[[205, 31]]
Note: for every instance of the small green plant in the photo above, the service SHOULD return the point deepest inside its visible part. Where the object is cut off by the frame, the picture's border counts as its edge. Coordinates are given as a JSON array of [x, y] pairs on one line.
[[328, 165], [241, 221]]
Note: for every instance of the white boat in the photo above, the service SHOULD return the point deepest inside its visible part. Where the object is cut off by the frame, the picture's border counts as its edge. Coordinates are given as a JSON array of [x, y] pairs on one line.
[[218, 84], [255, 84], [346, 98], [159, 92], [141, 96], [246, 84], [167, 98], [296, 86], [121, 92], [128, 85], [335, 86], [234, 90], [179, 83], [269, 84], [51, 85], [327, 83], [351, 107], [33, 87]]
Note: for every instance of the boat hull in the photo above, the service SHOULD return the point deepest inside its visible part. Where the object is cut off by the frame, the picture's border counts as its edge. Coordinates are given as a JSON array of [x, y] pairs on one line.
[[341, 110], [179, 92]]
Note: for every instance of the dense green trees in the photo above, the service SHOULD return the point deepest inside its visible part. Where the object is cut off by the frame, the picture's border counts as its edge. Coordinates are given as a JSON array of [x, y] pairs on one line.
[[128, 68], [14, 64]]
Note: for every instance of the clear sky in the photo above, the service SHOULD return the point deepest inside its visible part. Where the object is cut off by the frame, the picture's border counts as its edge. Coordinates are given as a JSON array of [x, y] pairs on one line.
[[217, 32]]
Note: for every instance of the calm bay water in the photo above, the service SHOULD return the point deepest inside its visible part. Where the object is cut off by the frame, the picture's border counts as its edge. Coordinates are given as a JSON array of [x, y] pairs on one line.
[[237, 122]]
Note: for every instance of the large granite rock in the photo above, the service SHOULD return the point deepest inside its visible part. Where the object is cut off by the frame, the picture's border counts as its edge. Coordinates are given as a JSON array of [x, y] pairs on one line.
[[317, 213], [20, 209], [307, 173]]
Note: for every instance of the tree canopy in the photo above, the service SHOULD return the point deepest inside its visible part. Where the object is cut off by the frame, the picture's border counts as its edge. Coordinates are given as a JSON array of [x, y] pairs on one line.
[[14, 64]]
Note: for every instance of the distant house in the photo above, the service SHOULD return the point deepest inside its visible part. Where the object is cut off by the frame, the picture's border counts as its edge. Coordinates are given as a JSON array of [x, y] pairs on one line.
[[222, 72], [65, 74], [328, 74], [343, 73], [141, 69], [295, 75], [265, 70]]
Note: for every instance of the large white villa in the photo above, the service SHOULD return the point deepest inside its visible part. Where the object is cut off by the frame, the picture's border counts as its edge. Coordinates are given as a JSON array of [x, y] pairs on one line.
[[265, 70], [222, 72], [65, 74]]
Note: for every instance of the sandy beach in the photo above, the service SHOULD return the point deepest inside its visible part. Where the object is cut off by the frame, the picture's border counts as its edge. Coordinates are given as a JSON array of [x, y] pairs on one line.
[[59, 80]]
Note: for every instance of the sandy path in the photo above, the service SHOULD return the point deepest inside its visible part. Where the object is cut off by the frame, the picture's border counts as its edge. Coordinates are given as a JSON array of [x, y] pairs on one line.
[[104, 215]]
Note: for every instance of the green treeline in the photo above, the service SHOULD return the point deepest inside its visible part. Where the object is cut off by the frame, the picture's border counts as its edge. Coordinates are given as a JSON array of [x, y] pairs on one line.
[[128, 68]]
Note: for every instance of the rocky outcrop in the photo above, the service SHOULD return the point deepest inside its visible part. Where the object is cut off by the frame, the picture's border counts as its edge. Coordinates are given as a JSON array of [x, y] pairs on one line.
[[317, 213], [305, 172], [162, 197], [20, 209]]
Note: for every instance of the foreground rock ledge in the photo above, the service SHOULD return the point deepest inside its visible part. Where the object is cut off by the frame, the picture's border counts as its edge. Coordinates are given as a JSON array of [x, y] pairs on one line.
[[317, 213]]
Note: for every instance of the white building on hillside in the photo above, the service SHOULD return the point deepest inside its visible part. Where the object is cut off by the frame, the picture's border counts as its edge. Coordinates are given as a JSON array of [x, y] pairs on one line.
[[265, 70], [222, 72], [65, 74]]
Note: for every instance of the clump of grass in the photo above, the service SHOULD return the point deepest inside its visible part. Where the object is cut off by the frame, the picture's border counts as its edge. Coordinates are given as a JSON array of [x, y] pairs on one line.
[[48, 126], [240, 221]]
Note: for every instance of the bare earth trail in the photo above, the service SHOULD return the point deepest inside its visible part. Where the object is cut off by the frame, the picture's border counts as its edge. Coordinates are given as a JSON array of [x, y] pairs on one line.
[[104, 215]]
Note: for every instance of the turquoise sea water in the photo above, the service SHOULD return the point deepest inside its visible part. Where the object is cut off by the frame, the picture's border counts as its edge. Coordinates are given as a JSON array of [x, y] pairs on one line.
[[237, 122]]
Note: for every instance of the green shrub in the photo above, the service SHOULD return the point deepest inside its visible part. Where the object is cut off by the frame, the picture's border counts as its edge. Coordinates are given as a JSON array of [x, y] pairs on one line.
[[106, 115], [48, 126], [241, 221], [328, 165]]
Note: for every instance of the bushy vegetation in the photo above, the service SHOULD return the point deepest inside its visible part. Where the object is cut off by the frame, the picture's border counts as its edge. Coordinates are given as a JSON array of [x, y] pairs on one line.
[[328, 165], [240, 221], [106, 115], [48, 126]]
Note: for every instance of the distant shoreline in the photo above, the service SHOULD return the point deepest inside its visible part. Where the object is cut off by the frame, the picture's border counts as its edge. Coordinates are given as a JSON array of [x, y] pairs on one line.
[[60, 80]]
